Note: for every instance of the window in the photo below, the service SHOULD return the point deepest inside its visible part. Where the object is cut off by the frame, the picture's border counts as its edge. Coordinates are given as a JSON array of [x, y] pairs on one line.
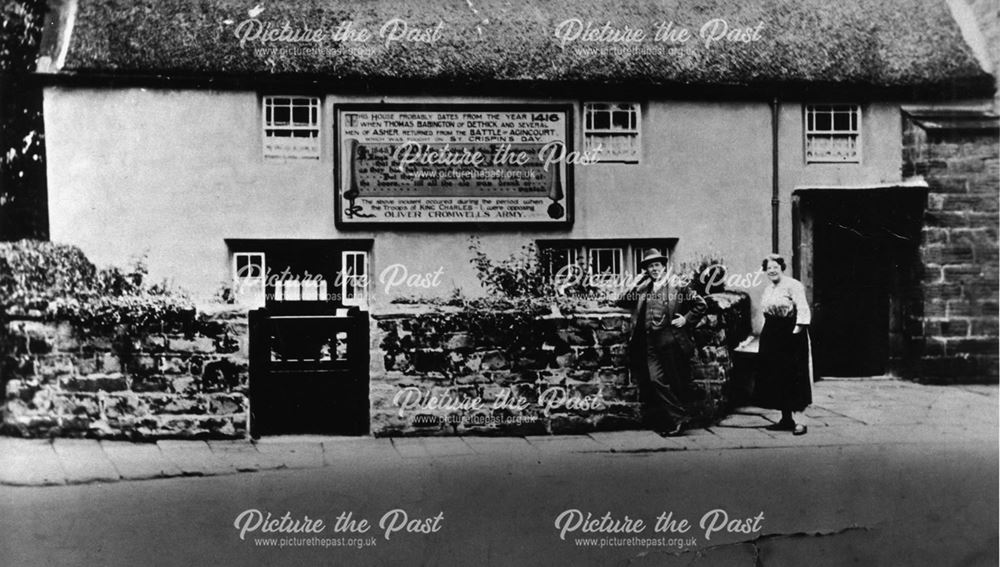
[[291, 127], [608, 263], [615, 127], [267, 271], [354, 278], [560, 260], [638, 252], [249, 274], [833, 133]]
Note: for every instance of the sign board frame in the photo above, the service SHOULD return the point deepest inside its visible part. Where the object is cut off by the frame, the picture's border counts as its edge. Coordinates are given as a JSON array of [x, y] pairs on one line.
[[341, 161]]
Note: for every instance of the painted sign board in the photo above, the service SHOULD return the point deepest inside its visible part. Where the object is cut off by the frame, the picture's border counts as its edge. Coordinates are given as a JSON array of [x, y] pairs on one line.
[[408, 164]]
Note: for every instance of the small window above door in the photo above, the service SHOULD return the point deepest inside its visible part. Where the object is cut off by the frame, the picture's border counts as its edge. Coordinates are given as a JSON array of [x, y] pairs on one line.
[[285, 271]]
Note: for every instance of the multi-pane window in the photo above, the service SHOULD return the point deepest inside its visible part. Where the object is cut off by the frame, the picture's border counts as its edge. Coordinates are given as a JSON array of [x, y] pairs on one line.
[[354, 278], [616, 128], [249, 276], [604, 263], [299, 271], [291, 127], [833, 133]]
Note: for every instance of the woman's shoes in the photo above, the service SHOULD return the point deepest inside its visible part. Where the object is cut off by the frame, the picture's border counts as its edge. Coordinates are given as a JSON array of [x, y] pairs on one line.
[[782, 426], [795, 428], [677, 429]]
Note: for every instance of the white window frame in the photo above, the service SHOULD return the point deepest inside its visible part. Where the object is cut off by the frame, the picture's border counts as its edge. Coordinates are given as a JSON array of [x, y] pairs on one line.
[[630, 256], [619, 255], [240, 283], [811, 132], [592, 136], [356, 284], [600, 278], [309, 152]]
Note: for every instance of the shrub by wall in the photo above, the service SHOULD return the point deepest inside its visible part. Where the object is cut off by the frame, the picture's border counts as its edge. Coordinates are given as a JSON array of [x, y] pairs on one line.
[[103, 353]]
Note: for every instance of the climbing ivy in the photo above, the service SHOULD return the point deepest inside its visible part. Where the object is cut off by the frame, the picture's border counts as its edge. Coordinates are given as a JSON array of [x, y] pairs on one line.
[[54, 281]]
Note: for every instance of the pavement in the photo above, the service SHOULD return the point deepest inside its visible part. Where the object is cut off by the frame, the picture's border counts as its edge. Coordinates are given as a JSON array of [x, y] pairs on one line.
[[890, 473], [845, 412]]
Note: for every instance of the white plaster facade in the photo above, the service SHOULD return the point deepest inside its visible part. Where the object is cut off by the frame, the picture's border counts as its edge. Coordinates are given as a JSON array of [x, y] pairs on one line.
[[173, 173]]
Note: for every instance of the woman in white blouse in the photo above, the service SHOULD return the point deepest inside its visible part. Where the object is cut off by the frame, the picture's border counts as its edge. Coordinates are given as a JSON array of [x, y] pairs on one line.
[[784, 381]]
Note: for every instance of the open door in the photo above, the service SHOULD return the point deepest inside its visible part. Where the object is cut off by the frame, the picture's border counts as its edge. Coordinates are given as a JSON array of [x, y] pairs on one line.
[[859, 261]]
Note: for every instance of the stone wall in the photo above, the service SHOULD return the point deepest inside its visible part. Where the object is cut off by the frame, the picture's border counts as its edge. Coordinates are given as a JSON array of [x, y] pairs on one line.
[[176, 383], [957, 154], [193, 382], [555, 374]]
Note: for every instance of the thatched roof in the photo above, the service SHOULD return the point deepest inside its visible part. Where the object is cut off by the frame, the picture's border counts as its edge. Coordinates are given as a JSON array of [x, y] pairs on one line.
[[878, 43]]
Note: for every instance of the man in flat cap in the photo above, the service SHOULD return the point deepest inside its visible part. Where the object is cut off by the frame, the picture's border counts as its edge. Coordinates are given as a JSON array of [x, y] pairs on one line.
[[664, 312]]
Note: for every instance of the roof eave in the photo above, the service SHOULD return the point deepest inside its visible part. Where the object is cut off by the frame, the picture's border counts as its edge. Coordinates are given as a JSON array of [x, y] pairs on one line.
[[979, 86]]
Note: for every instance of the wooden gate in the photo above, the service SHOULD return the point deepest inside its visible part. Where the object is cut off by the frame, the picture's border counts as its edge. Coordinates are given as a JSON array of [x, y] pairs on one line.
[[308, 369]]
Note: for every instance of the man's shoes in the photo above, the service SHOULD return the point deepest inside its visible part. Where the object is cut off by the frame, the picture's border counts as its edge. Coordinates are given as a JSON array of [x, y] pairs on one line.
[[676, 431], [800, 430], [782, 426]]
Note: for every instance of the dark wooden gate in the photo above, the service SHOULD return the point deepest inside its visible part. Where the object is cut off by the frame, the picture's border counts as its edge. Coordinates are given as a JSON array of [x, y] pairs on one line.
[[308, 369]]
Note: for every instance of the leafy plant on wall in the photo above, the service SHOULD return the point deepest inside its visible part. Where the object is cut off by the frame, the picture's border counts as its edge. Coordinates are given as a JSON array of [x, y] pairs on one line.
[[705, 269], [522, 275], [49, 281], [525, 276], [519, 291]]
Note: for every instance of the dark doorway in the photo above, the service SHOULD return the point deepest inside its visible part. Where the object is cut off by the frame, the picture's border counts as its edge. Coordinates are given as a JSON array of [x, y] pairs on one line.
[[308, 369], [857, 253]]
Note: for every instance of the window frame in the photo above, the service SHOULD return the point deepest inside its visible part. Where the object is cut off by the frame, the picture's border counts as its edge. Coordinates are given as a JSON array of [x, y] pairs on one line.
[[315, 104], [632, 250], [620, 252], [239, 282], [588, 131], [313, 260], [362, 301], [809, 111]]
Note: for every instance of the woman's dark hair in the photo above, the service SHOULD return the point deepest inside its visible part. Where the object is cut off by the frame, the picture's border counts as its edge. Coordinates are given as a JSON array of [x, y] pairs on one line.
[[773, 258]]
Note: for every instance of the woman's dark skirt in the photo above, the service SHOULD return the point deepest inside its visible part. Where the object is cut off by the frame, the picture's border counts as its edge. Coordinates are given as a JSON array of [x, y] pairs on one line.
[[783, 378]]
